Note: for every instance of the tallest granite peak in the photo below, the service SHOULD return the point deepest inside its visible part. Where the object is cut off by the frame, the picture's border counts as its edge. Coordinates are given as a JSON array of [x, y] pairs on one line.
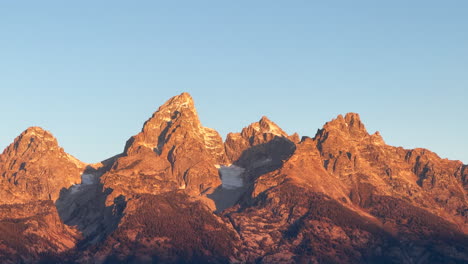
[[179, 102], [175, 123], [177, 109], [173, 151]]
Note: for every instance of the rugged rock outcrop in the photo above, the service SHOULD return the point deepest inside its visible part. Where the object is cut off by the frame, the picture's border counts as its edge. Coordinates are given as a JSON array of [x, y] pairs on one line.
[[343, 196], [176, 123], [369, 167], [34, 169], [83, 206], [171, 227], [33, 232], [316, 208], [304, 168], [173, 151], [289, 223], [260, 147]]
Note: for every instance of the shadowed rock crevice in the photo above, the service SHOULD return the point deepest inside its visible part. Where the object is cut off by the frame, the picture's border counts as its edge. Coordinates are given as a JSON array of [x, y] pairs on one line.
[[232, 188], [263, 158], [83, 206], [464, 176], [253, 162]]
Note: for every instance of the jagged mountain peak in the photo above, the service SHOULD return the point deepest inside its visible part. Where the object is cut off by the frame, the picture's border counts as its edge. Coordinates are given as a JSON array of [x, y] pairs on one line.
[[343, 196], [175, 123], [179, 102], [350, 126], [34, 130], [350, 120], [268, 126], [265, 119], [178, 107], [177, 113], [267, 137], [351, 116], [33, 139], [172, 152], [39, 133], [35, 143], [263, 126], [34, 167]]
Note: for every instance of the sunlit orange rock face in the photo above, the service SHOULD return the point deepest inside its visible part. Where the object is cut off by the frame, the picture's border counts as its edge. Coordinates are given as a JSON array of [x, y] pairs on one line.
[[172, 152], [343, 196], [34, 167], [165, 175], [261, 147], [369, 168], [347, 197], [33, 171]]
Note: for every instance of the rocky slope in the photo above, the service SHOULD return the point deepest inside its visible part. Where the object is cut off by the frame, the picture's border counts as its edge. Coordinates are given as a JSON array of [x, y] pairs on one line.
[[314, 209], [34, 167], [370, 167], [260, 147], [173, 151], [34, 170], [179, 194]]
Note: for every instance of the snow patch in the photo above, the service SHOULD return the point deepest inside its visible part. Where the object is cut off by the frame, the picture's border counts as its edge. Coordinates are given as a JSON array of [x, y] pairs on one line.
[[256, 126], [231, 177], [275, 131], [86, 179]]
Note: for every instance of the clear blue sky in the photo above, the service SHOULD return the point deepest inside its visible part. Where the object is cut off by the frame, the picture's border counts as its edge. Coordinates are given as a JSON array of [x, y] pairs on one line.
[[92, 72]]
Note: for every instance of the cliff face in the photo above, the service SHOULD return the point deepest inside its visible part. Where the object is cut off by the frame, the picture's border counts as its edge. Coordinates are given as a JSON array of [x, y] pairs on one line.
[[304, 168], [170, 227], [346, 197], [369, 167], [32, 232], [173, 151], [260, 147], [34, 169], [176, 124], [343, 196]]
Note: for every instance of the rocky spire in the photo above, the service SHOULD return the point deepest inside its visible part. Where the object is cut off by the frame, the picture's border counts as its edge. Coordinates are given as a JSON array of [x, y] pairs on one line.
[[33, 139], [260, 147], [346, 129], [176, 121], [173, 151], [265, 125], [350, 124], [35, 167]]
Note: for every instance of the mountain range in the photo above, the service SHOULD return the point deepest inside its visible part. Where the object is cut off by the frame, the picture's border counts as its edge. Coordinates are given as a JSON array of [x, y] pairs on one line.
[[178, 193]]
